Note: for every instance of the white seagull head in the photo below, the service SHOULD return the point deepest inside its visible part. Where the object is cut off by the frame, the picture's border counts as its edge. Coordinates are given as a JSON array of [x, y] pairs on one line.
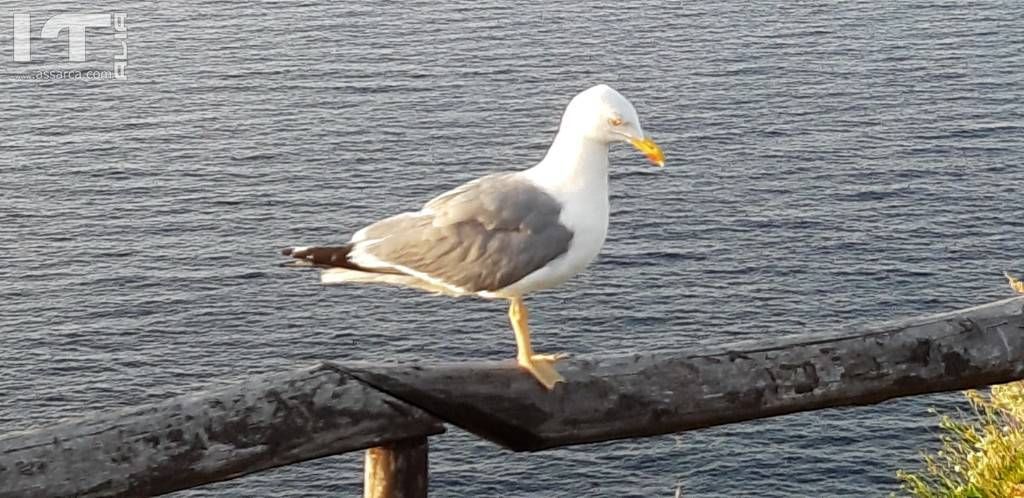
[[603, 114]]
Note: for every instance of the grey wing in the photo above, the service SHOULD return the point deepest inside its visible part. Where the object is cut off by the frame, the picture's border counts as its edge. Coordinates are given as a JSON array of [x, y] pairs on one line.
[[482, 236]]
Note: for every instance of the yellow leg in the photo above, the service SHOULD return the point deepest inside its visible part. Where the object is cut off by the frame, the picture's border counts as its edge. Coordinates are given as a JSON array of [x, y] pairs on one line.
[[1015, 283], [541, 366]]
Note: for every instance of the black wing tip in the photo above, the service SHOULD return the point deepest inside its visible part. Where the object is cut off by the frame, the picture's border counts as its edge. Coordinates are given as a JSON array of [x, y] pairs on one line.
[[323, 256]]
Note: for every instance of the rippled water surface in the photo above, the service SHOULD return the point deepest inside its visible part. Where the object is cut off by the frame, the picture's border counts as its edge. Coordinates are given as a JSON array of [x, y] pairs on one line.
[[828, 165]]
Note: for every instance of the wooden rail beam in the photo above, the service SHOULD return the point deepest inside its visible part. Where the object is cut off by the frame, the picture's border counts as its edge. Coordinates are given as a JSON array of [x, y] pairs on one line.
[[265, 422], [658, 393], [280, 419]]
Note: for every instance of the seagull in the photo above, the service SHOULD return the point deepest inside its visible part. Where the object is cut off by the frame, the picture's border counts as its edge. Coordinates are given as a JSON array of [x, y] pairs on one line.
[[505, 235]]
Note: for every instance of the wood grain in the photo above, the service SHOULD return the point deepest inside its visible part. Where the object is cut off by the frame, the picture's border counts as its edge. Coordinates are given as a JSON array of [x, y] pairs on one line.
[[396, 470]]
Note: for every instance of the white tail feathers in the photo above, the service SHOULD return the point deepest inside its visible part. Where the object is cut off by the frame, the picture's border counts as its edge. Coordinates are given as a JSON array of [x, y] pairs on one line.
[[332, 276], [335, 276]]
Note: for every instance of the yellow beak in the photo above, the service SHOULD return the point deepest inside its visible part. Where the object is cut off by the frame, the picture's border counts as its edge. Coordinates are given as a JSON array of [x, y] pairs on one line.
[[649, 149]]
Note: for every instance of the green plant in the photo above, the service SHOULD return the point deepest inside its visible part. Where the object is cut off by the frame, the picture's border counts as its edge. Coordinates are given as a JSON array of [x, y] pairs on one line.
[[982, 454]]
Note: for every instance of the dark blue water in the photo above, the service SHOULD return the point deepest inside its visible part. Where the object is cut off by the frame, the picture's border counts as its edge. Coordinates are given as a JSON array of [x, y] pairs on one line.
[[828, 165]]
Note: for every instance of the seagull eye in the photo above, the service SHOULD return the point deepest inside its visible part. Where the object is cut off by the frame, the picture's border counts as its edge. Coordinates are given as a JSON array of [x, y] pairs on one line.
[[616, 121]]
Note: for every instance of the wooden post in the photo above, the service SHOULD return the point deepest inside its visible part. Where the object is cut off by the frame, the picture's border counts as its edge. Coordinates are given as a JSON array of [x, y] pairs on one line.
[[397, 470]]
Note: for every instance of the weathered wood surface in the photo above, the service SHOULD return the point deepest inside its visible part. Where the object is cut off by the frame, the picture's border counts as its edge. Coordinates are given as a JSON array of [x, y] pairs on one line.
[[396, 470], [281, 419], [265, 422], [648, 394]]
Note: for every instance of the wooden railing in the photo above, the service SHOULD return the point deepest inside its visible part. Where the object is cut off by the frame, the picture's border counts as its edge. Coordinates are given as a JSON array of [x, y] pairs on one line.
[[330, 408]]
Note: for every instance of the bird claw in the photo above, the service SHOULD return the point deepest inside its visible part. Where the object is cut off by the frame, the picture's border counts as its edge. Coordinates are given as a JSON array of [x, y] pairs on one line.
[[1015, 283], [542, 367]]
